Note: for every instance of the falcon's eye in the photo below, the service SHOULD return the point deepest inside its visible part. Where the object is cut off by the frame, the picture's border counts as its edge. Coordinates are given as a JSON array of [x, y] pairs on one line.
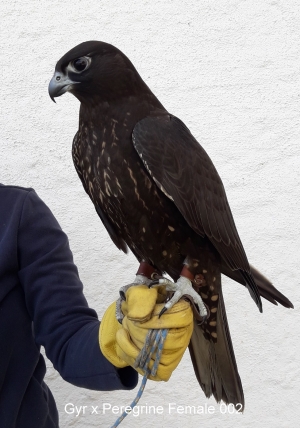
[[80, 64]]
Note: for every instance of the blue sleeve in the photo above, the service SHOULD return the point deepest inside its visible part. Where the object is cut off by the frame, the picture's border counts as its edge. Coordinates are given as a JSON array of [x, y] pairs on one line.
[[63, 322]]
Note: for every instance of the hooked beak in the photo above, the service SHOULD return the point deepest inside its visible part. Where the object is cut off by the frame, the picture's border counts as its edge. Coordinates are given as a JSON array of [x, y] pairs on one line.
[[59, 84]]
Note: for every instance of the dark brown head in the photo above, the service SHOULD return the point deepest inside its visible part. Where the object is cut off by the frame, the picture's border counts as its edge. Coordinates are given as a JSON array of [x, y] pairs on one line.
[[95, 70]]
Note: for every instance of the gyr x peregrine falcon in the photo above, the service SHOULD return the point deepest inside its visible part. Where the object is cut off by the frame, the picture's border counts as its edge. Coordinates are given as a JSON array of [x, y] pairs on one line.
[[157, 192]]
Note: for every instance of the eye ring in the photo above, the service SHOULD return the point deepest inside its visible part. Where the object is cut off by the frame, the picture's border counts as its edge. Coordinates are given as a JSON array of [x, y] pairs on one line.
[[80, 64]]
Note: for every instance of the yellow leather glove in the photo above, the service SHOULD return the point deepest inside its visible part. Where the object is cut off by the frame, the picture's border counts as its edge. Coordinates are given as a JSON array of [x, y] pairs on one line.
[[121, 343]]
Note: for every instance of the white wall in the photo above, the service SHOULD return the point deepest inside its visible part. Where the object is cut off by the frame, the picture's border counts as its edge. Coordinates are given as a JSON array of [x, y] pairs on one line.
[[230, 70]]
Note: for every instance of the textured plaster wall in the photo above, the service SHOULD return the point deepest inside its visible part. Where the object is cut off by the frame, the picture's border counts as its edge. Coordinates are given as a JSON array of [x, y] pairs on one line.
[[230, 71]]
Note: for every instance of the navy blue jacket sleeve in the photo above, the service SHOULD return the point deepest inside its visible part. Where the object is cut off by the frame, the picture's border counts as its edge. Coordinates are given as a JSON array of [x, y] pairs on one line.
[[63, 322]]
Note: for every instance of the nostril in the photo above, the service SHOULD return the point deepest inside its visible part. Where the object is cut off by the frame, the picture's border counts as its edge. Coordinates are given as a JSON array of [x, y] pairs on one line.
[[57, 78]]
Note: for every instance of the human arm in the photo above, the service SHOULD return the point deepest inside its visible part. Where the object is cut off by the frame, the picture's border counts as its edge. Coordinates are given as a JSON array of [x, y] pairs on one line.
[[63, 322]]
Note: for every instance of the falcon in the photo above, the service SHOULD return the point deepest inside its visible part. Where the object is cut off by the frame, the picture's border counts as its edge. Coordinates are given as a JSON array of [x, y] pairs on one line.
[[158, 193]]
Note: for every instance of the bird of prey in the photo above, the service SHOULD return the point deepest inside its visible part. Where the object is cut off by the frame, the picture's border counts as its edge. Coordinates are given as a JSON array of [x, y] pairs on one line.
[[157, 192]]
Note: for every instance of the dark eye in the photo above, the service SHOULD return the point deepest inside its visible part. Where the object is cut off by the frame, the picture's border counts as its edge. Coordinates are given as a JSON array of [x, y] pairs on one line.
[[81, 64]]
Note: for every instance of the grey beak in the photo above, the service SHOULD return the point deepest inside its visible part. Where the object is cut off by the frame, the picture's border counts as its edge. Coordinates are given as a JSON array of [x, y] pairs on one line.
[[59, 84]]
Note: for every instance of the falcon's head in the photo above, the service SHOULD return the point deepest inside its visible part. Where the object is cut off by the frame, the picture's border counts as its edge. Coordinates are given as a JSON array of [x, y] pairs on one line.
[[95, 71]]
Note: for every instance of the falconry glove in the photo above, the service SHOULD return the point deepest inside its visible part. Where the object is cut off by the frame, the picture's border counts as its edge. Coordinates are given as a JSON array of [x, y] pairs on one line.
[[122, 343]]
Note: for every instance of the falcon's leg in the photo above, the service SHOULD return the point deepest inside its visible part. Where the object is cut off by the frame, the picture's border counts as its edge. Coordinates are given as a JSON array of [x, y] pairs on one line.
[[144, 276], [184, 286]]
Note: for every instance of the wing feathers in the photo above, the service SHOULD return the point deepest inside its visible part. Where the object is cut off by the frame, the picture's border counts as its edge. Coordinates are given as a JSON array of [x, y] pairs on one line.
[[184, 170]]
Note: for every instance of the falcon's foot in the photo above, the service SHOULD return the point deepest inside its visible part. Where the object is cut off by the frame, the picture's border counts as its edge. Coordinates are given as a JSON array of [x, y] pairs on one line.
[[139, 280], [182, 287]]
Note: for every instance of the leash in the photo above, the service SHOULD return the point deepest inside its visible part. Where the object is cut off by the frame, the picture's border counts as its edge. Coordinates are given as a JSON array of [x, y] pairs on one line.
[[154, 343]]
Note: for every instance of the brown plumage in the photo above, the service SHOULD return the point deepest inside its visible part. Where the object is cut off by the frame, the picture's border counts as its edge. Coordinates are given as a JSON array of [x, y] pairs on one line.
[[157, 192]]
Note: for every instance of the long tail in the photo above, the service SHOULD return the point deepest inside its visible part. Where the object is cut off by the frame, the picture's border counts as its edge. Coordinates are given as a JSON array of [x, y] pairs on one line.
[[211, 348], [212, 352], [265, 287]]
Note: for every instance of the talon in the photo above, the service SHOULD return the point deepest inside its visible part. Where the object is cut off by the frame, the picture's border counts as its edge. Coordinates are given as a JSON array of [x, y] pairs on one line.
[[122, 294], [152, 283], [164, 309], [204, 317]]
